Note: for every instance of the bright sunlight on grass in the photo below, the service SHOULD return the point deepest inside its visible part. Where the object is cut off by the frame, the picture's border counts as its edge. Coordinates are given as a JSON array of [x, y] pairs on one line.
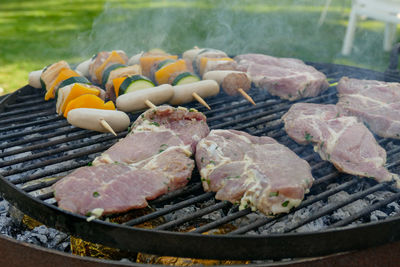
[[36, 33]]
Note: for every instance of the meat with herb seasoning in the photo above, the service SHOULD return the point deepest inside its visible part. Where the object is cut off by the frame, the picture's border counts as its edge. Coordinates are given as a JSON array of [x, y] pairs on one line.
[[342, 140], [376, 103], [288, 78], [154, 158], [256, 172], [111, 187]]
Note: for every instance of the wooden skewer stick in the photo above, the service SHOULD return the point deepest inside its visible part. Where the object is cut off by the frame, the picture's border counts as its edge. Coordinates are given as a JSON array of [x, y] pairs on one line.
[[149, 104], [245, 95], [201, 100], [107, 126]]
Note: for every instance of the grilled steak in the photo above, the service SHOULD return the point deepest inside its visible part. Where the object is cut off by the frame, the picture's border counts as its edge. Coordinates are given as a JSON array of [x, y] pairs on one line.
[[376, 103], [256, 172], [152, 160], [342, 140], [287, 78]]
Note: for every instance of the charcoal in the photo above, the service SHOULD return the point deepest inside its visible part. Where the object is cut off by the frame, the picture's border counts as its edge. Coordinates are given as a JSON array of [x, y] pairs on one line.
[[377, 215]]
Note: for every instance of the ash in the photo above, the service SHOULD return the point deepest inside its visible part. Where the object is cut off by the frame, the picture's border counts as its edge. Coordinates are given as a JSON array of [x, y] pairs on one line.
[[292, 222], [11, 225]]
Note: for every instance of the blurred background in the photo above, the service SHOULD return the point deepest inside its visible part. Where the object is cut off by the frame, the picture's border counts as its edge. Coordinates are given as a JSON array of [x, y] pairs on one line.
[[35, 33]]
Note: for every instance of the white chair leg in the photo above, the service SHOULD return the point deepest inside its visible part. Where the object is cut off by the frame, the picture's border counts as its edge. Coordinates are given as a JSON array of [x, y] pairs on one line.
[[389, 36], [349, 37], [323, 14]]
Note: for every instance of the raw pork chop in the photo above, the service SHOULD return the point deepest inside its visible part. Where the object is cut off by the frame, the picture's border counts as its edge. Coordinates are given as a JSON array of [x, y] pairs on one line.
[[112, 187], [342, 140], [155, 130], [152, 160], [256, 172], [288, 78], [376, 103]]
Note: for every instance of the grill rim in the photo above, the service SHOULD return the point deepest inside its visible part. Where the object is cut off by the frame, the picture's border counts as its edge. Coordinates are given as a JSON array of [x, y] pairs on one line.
[[171, 241]]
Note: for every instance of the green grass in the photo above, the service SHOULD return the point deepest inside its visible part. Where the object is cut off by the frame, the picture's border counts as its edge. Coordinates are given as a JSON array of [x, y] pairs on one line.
[[36, 33]]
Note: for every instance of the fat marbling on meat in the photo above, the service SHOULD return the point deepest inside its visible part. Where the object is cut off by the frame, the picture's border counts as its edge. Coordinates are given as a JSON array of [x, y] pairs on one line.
[[152, 159], [376, 103], [256, 172], [288, 78], [342, 140]]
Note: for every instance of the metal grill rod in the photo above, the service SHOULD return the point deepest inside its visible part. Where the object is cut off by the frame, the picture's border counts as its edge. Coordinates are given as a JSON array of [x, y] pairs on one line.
[[79, 136], [323, 195], [331, 208], [194, 215], [25, 110], [57, 160], [365, 211], [21, 133], [169, 209], [27, 117], [42, 138]]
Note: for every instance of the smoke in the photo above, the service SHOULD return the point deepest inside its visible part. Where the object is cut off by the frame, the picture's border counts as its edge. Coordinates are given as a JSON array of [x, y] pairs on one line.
[[233, 26], [279, 28]]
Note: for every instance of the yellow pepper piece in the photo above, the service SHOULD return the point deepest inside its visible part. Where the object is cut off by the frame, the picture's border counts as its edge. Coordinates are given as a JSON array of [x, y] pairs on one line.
[[76, 91], [117, 84], [88, 101], [114, 57], [162, 75], [64, 74], [146, 62]]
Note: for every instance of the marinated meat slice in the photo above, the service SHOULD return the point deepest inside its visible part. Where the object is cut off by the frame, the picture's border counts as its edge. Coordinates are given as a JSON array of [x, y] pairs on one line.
[[342, 140], [175, 163], [234, 81], [256, 172], [287, 78], [155, 130], [51, 72], [376, 103], [138, 146], [112, 187], [98, 61], [152, 160], [189, 125]]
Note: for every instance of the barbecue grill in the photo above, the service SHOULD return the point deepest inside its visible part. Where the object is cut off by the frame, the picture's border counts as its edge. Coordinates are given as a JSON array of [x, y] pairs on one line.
[[38, 147]]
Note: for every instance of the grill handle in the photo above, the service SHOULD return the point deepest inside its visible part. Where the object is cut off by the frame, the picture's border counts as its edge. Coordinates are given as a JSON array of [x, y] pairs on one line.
[[394, 61]]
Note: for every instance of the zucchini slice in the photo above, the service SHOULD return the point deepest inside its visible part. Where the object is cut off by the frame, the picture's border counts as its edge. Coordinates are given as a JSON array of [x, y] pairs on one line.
[[107, 72], [164, 63], [79, 79], [41, 81], [134, 83], [185, 78]]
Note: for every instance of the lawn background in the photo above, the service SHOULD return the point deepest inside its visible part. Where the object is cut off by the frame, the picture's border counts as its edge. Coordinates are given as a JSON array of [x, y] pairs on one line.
[[36, 33]]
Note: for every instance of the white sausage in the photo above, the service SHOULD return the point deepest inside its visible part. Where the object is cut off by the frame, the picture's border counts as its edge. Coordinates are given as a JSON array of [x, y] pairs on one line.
[[136, 100], [89, 118], [83, 67], [184, 93], [34, 78]]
